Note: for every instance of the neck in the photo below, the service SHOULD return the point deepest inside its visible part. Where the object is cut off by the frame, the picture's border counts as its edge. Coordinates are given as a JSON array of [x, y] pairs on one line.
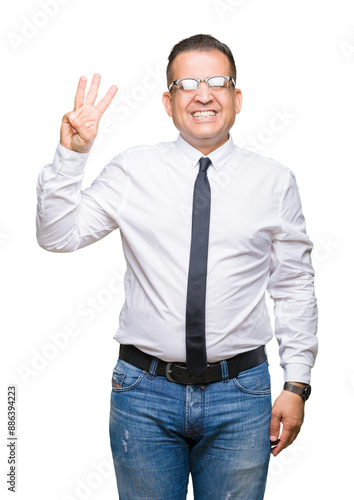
[[205, 146]]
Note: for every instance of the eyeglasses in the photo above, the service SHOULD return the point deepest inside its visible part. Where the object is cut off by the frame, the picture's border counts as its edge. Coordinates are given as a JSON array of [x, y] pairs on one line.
[[189, 87]]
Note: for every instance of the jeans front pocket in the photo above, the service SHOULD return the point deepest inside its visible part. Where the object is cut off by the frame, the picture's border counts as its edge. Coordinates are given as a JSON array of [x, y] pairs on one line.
[[254, 381], [126, 377]]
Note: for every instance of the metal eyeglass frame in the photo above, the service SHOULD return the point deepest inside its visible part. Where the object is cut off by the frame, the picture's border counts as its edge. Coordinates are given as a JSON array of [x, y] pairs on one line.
[[198, 80]]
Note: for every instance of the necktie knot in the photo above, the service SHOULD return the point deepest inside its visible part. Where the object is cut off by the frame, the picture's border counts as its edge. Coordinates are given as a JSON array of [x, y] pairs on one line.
[[204, 164]]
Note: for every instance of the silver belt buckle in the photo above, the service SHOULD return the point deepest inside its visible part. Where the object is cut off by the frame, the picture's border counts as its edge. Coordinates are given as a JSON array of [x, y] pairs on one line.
[[168, 373]]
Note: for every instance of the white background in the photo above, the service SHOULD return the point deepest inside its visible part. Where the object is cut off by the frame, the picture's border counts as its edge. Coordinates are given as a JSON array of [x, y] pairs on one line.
[[295, 59]]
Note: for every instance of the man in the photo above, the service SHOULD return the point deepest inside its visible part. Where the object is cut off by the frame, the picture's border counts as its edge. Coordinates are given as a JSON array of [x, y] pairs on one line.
[[206, 229]]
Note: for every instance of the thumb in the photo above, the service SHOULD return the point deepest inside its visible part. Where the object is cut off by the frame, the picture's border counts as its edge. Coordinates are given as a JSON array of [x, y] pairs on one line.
[[274, 429], [81, 128]]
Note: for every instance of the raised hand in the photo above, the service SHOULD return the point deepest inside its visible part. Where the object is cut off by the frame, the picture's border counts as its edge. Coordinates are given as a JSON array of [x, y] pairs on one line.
[[80, 126]]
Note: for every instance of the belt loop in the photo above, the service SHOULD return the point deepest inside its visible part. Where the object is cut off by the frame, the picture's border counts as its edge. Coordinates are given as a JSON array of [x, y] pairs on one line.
[[224, 371], [153, 367]]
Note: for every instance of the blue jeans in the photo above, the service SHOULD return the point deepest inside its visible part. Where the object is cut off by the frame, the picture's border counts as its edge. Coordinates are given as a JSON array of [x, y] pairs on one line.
[[161, 431]]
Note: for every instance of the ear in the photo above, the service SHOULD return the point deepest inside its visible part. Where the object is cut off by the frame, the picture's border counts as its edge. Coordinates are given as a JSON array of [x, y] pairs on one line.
[[167, 102], [238, 100]]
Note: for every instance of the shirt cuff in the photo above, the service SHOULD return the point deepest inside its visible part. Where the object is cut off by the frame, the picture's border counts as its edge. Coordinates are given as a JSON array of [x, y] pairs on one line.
[[69, 162], [296, 372]]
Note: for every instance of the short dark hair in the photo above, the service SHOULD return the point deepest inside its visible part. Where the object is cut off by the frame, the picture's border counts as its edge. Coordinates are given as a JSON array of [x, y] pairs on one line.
[[202, 43]]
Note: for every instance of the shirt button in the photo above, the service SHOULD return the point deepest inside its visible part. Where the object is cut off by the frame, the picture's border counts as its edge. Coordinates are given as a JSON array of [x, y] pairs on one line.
[[61, 158], [42, 189]]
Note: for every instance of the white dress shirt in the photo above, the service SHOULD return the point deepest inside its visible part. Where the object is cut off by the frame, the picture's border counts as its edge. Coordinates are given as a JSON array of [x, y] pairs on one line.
[[257, 242]]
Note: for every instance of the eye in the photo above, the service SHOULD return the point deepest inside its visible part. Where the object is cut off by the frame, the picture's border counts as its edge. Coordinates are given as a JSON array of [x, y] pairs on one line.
[[218, 82], [188, 84]]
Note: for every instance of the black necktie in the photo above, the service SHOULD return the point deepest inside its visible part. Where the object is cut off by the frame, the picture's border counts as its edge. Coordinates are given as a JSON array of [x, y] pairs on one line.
[[195, 314]]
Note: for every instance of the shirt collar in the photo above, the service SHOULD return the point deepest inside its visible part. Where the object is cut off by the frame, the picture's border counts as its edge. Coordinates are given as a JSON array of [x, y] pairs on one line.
[[218, 157]]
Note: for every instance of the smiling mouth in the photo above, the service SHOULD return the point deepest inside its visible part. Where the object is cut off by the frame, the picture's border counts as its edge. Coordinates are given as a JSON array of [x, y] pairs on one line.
[[202, 114]]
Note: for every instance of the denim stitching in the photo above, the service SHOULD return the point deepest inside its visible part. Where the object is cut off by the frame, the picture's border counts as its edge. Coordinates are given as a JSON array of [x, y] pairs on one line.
[[224, 371], [152, 370]]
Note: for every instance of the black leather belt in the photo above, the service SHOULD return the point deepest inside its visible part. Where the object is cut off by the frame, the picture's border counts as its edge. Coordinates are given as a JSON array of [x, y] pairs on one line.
[[178, 373]]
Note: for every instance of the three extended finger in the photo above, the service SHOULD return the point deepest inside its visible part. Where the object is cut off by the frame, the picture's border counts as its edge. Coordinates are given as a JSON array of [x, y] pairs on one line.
[[80, 93], [107, 99]]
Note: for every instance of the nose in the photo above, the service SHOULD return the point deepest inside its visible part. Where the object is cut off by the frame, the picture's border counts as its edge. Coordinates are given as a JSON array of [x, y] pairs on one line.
[[203, 94]]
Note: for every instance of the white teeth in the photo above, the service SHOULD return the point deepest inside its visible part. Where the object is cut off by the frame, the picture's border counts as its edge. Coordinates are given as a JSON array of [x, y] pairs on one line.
[[204, 113]]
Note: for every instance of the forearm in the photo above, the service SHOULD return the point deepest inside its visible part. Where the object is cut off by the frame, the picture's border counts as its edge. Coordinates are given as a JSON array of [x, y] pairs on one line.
[[67, 219], [295, 330]]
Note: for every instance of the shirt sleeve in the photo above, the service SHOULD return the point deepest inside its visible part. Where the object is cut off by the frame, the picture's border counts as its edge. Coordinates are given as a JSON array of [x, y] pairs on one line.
[[291, 286], [69, 218]]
